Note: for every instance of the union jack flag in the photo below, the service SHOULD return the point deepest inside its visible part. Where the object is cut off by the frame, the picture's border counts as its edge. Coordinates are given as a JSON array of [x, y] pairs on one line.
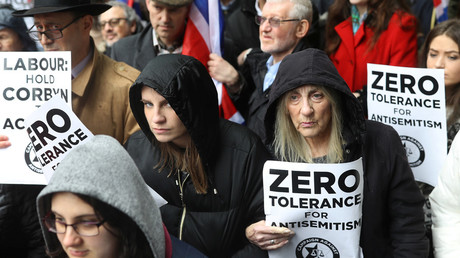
[[203, 35], [441, 9]]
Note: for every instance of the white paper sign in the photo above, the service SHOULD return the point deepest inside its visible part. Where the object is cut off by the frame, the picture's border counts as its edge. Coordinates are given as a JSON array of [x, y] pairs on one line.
[[321, 203], [412, 101], [54, 130], [28, 79]]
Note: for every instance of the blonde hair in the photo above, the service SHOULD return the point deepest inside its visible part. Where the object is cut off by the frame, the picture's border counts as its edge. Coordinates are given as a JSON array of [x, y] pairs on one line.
[[184, 160], [290, 145]]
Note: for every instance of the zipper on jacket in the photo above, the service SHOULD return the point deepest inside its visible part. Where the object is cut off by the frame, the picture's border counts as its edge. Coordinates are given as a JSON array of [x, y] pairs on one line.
[[184, 210]]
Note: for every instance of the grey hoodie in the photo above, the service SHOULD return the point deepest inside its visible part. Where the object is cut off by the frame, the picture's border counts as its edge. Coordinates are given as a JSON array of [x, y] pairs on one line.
[[101, 168]]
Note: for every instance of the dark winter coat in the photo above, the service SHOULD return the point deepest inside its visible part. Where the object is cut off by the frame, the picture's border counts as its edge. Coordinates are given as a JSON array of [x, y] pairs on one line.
[[135, 50], [20, 232], [393, 220], [252, 101], [233, 156]]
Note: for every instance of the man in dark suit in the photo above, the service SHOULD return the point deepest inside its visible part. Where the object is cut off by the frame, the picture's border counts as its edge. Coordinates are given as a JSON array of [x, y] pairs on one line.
[[163, 36]]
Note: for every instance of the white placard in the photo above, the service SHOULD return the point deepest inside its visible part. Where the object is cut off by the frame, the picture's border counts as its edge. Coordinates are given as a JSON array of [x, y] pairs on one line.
[[29, 79], [321, 203], [54, 130], [412, 101]]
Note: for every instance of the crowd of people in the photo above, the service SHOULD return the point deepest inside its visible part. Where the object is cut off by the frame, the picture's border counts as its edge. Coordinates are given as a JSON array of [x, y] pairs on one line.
[[296, 70]]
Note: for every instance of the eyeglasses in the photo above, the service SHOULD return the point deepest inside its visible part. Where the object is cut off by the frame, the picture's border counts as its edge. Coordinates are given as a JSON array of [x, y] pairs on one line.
[[112, 22], [50, 34], [84, 228], [274, 22]]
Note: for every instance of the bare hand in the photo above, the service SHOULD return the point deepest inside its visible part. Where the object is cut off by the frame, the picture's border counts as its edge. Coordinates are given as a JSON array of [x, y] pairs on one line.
[[4, 143], [266, 237], [242, 56], [222, 71]]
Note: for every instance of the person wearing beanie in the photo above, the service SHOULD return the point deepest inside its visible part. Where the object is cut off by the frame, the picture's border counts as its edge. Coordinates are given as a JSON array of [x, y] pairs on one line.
[[97, 205], [13, 32], [313, 117], [208, 169]]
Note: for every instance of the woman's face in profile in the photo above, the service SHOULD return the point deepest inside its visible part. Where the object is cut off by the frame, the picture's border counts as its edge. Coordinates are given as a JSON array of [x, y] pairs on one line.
[[310, 112], [444, 54], [68, 208], [163, 120]]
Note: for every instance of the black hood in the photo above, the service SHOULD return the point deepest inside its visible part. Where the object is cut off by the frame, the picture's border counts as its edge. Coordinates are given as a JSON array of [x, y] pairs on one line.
[[185, 83], [313, 67]]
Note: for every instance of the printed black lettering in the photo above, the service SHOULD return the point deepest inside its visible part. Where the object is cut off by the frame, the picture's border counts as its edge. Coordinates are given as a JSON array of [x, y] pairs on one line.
[[327, 185], [407, 82], [296, 182], [275, 186], [379, 76], [391, 82], [343, 177]]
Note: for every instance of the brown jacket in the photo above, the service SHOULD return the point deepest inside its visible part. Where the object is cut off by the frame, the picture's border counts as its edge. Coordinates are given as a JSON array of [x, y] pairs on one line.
[[100, 97]]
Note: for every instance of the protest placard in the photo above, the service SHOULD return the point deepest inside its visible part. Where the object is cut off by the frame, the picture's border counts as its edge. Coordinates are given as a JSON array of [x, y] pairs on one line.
[[29, 79], [412, 101], [321, 203], [54, 130]]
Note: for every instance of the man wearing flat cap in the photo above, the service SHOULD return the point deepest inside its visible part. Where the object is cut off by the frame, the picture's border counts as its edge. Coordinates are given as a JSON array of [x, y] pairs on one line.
[[100, 85], [164, 35]]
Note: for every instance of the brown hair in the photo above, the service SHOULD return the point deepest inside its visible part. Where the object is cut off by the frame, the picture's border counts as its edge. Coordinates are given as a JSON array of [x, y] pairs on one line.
[[185, 160], [450, 28], [379, 15]]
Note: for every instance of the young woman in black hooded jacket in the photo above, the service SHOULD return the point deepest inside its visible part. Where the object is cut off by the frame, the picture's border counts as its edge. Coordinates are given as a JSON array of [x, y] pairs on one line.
[[208, 169]]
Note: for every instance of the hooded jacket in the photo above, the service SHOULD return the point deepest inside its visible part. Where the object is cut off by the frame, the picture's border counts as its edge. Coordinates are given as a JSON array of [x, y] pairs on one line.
[[393, 219], [101, 168], [232, 155]]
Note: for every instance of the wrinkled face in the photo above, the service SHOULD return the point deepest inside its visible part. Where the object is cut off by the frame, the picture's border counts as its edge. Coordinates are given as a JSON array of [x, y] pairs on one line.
[[310, 112], [163, 120], [9, 40], [121, 26], [444, 54], [69, 208], [72, 35], [167, 21], [278, 41]]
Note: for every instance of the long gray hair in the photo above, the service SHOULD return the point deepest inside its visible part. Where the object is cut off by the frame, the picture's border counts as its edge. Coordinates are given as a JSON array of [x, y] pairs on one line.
[[290, 145]]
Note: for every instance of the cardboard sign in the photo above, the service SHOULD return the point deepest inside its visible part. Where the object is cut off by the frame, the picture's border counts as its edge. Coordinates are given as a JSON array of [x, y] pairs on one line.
[[412, 101], [54, 130], [321, 203], [29, 79]]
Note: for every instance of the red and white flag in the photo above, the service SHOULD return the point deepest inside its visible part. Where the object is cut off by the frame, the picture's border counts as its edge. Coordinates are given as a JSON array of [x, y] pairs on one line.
[[203, 35]]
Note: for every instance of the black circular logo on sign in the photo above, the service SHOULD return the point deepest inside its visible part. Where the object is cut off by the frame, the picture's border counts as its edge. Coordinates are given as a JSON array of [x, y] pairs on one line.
[[414, 150], [316, 247], [31, 159]]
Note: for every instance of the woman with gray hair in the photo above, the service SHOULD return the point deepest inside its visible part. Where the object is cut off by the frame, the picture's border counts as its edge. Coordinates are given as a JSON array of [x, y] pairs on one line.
[[313, 117]]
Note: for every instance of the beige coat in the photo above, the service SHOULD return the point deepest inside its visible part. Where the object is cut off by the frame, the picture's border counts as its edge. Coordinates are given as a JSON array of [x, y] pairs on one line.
[[100, 97]]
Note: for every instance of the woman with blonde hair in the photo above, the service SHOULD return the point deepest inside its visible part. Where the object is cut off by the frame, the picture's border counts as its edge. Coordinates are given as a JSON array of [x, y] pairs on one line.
[[313, 117]]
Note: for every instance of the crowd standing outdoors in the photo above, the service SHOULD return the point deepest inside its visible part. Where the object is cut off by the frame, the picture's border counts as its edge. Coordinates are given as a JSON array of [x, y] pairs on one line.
[[301, 105]]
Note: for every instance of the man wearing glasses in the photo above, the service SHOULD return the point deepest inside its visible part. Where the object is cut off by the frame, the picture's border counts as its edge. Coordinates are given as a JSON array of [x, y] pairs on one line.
[[282, 28], [99, 84], [118, 22]]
